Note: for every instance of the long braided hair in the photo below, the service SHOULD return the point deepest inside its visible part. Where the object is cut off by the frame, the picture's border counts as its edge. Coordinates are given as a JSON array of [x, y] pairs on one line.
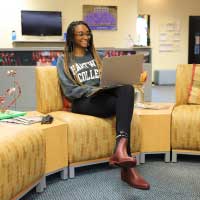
[[69, 50]]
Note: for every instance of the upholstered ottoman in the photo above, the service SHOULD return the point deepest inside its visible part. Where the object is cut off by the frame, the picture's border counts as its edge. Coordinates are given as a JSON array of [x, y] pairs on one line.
[[55, 135], [154, 126], [22, 159]]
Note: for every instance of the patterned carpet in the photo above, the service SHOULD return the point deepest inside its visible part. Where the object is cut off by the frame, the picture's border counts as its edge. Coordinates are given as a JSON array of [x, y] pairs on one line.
[[169, 181], [176, 181], [163, 93]]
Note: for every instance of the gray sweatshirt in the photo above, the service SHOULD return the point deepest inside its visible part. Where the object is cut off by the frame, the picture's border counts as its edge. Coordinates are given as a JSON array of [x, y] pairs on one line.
[[87, 73]]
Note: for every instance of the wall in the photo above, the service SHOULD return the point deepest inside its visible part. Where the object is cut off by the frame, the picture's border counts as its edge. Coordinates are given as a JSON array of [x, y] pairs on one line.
[[163, 11], [71, 10]]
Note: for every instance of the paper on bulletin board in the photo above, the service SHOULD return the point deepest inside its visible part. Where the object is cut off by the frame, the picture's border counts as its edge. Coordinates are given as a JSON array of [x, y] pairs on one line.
[[166, 47], [163, 36], [169, 36], [176, 36]]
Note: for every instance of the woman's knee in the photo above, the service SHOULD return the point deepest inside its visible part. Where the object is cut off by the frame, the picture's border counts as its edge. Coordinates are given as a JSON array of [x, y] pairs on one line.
[[129, 89]]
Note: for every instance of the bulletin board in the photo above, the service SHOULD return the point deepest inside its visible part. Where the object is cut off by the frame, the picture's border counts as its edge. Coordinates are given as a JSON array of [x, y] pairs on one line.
[[169, 36]]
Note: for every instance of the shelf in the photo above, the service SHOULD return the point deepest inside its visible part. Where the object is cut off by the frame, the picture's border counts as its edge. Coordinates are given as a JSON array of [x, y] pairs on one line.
[[46, 48], [38, 41], [63, 42], [38, 44], [32, 49]]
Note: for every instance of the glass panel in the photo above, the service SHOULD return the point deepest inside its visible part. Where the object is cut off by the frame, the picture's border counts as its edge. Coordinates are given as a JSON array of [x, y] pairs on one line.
[[143, 30]]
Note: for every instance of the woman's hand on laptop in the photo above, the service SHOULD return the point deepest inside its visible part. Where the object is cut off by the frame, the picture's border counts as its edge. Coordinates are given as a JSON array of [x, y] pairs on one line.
[[143, 77]]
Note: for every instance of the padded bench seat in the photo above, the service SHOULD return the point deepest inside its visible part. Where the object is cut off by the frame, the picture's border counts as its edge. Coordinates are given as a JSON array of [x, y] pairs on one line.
[[90, 139]]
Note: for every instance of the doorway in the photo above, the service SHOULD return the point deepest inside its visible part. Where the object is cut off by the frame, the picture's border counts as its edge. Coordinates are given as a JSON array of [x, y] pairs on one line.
[[194, 40]]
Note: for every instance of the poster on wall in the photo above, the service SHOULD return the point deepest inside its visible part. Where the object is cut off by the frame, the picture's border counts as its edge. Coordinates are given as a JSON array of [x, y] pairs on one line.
[[170, 36], [100, 17]]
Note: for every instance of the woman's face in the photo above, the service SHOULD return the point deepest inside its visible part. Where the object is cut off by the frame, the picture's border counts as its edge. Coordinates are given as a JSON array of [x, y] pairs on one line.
[[82, 36]]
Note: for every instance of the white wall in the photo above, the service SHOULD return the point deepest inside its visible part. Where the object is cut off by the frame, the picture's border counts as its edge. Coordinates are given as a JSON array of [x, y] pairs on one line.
[[71, 10], [163, 11]]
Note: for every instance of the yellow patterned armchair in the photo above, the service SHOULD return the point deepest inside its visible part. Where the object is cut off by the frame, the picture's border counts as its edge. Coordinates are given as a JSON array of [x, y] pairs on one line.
[[90, 139], [185, 129]]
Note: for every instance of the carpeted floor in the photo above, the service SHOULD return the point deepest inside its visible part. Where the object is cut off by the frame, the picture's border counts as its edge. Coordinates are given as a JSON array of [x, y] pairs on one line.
[[163, 93], [169, 181]]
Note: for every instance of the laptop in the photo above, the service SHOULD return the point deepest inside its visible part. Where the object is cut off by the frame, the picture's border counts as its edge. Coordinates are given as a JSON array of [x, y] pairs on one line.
[[121, 70]]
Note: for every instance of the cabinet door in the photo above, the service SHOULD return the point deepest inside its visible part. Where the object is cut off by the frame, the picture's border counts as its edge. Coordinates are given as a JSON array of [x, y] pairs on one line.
[[26, 78]]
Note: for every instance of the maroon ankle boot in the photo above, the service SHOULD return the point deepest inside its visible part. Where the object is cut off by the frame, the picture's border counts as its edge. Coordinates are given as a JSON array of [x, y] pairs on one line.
[[133, 178], [120, 157]]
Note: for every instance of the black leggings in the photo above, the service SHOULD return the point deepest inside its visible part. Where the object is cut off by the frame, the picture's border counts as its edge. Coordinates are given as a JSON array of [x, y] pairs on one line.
[[116, 101]]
